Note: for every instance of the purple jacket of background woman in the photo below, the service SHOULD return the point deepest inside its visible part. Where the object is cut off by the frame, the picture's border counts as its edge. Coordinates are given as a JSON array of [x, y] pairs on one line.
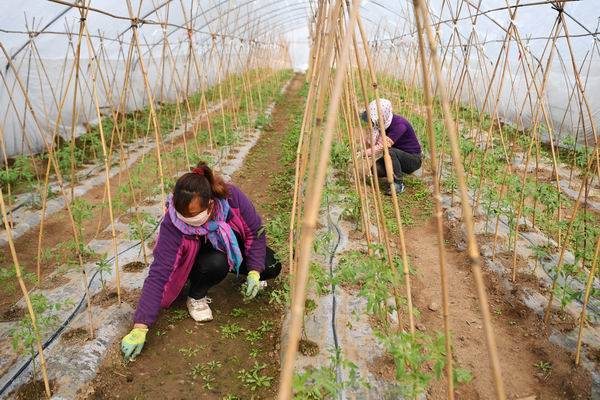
[[176, 249], [403, 135]]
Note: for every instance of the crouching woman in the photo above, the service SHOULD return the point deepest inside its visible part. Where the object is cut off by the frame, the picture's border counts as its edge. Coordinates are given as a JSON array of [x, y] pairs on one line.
[[210, 229]]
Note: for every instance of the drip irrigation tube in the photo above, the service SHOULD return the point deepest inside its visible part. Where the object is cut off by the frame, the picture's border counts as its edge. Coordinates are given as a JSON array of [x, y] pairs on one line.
[[66, 322], [332, 254]]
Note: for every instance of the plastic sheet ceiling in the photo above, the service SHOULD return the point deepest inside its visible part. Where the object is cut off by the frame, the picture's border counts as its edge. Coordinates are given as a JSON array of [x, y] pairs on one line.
[[43, 59], [471, 36]]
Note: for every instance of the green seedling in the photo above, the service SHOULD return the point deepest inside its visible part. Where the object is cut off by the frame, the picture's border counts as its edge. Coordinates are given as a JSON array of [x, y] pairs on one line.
[[253, 379], [189, 352], [265, 326], [309, 306], [414, 356], [320, 279], [230, 331], [254, 352], [177, 315], [239, 313], [82, 211], [103, 266], [322, 383], [141, 227], [544, 367], [205, 372], [8, 278], [46, 316], [253, 337], [212, 365], [280, 297]]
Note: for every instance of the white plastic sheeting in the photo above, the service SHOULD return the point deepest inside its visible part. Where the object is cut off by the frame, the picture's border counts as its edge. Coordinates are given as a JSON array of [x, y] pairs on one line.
[[44, 63], [243, 31], [534, 21]]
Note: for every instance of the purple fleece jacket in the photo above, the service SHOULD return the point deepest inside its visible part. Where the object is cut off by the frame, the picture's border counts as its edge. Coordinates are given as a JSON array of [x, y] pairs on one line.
[[175, 252], [403, 135]]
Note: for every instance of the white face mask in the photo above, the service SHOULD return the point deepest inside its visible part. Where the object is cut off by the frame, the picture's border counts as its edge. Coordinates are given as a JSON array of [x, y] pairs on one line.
[[197, 220]]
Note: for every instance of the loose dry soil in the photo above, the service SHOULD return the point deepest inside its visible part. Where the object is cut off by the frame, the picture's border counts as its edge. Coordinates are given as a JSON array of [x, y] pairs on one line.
[[521, 337]]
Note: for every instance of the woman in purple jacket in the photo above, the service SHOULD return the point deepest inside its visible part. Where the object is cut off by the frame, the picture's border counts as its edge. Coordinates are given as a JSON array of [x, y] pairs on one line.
[[210, 228], [404, 147]]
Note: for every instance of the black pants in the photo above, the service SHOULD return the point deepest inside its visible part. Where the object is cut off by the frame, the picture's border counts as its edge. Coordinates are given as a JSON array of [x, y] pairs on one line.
[[402, 163], [211, 268]]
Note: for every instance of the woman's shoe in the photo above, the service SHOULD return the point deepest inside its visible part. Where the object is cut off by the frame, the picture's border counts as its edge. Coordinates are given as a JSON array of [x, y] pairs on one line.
[[399, 188], [199, 309]]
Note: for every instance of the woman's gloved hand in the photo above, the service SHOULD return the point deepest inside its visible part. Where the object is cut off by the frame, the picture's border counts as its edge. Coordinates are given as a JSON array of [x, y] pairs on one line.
[[132, 344], [252, 284]]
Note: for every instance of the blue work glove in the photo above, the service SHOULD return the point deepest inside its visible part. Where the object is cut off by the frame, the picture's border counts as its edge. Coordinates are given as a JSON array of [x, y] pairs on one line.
[[133, 343], [252, 284]]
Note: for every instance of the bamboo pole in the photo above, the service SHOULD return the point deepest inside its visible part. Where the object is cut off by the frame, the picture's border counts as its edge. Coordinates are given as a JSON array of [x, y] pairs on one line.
[[473, 250], [364, 208], [157, 136], [106, 174], [586, 298], [74, 114], [313, 200], [438, 208], [32, 315], [382, 234], [390, 178]]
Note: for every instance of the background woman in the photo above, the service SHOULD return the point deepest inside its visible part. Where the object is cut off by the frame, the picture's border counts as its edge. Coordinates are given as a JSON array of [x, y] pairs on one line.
[[400, 138]]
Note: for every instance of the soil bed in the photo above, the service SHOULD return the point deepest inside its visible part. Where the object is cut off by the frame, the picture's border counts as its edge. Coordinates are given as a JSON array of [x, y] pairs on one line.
[[13, 313], [106, 298], [521, 336], [76, 335]]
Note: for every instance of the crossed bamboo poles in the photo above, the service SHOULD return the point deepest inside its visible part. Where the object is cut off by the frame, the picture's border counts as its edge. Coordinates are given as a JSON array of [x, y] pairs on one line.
[[329, 46], [255, 56], [318, 71], [299, 259]]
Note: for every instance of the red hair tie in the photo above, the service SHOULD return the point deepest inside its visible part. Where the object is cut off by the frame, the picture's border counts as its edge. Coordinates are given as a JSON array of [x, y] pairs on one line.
[[198, 170]]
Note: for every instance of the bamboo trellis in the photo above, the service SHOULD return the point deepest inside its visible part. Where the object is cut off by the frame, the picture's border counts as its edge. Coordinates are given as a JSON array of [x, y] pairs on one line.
[[201, 69]]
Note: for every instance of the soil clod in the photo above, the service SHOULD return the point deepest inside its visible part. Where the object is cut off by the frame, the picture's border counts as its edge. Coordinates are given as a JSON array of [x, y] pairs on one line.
[[135, 266]]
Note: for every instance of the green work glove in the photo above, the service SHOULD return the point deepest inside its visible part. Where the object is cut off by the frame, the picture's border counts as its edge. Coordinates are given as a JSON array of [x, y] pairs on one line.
[[252, 284], [132, 344]]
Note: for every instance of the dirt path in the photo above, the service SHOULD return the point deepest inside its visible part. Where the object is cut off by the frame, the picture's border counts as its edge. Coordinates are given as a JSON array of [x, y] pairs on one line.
[[521, 339], [183, 359]]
